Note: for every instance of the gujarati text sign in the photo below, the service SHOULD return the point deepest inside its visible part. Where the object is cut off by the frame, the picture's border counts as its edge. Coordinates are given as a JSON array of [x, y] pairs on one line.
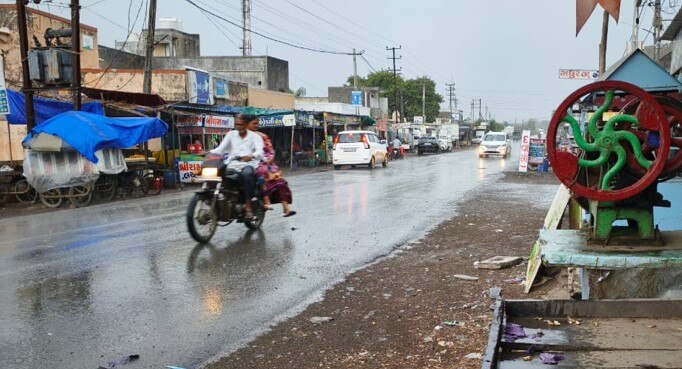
[[578, 74]]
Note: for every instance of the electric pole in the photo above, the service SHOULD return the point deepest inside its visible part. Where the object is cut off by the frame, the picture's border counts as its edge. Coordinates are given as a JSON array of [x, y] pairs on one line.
[[634, 39], [451, 93], [395, 79], [25, 76], [602, 45], [658, 28], [149, 53], [76, 55], [246, 27], [355, 71], [424, 103], [480, 116]]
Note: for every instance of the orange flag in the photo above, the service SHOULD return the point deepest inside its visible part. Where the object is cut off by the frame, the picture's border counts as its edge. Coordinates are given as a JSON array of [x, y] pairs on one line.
[[584, 8]]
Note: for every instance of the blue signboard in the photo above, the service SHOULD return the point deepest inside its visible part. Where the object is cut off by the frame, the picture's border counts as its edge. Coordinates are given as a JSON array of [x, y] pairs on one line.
[[356, 98], [199, 87]]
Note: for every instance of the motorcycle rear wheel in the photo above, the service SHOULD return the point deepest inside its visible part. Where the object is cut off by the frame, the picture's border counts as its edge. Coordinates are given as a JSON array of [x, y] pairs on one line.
[[202, 219]]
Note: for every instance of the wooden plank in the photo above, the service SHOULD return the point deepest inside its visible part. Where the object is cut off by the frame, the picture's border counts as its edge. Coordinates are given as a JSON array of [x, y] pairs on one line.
[[491, 352], [565, 248], [631, 359], [607, 334], [631, 308]]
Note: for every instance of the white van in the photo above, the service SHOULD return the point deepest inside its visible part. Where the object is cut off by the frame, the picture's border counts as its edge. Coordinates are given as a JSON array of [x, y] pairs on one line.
[[495, 143], [359, 148]]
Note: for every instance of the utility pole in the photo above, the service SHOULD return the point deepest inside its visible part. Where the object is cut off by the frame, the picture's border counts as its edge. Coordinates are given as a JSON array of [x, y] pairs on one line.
[[149, 53], [355, 71], [424, 103], [246, 27], [395, 79], [602, 45], [634, 39], [76, 52], [480, 116], [472, 111], [26, 78], [451, 93], [658, 28]]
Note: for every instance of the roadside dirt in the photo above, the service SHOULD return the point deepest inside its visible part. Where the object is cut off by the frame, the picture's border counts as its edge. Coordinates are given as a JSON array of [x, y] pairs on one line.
[[393, 314]]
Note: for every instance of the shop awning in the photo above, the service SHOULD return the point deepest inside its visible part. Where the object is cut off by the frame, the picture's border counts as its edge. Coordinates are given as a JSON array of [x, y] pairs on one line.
[[87, 132], [44, 108], [150, 100]]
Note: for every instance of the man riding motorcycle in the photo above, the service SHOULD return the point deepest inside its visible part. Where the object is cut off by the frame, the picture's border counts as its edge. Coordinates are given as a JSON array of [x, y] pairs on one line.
[[245, 150], [396, 147]]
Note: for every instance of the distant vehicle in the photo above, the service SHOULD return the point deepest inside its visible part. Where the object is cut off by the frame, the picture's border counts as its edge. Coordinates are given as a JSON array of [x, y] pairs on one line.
[[445, 142], [495, 143], [476, 140], [359, 148], [509, 130], [428, 144]]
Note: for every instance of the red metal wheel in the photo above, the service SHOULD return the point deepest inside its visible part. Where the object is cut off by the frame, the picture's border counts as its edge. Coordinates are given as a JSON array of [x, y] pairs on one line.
[[605, 144], [673, 110]]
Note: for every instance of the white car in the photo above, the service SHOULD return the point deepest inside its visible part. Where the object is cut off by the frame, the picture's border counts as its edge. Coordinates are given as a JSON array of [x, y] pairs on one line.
[[495, 143], [359, 148]]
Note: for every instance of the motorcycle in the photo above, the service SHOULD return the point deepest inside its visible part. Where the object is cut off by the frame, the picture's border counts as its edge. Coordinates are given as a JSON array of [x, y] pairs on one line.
[[219, 202]]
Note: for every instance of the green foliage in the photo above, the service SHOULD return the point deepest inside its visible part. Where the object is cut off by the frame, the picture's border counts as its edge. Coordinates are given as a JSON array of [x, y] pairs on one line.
[[410, 90]]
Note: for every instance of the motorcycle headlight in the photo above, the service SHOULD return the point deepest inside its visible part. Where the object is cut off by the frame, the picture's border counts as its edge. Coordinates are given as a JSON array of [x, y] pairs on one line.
[[209, 172]]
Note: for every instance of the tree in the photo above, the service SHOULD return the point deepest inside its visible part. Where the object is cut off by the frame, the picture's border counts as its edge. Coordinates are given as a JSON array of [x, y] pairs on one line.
[[409, 93]]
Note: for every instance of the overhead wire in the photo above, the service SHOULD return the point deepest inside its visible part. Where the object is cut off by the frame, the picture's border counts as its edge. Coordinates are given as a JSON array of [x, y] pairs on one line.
[[280, 41], [306, 41]]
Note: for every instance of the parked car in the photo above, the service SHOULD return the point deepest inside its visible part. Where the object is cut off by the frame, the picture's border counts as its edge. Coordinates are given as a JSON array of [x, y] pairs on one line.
[[428, 144], [495, 143], [476, 140], [445, 143], [359, 148]]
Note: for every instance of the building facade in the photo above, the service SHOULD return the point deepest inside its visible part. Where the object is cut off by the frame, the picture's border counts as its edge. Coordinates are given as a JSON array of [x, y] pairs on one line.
[[37, 23]]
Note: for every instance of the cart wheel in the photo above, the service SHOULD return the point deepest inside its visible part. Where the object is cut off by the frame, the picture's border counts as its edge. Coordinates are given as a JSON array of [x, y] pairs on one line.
[[27, 193], [138, 187], [51, 198], [82, 195], [105, 187], [150, 188]]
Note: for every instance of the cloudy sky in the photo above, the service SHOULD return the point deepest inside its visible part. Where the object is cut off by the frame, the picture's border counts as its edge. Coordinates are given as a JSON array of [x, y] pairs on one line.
[[505, 52]]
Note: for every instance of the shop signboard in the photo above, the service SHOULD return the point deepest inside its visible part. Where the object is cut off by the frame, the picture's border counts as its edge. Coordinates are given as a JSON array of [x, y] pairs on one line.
[[289, 120], [189, 121], [578, 74], [189, 167], [525, 147], [356, 98], [4, 104], [218, 121], [271, 121], [199, 87], [536, 151], [221, 88]]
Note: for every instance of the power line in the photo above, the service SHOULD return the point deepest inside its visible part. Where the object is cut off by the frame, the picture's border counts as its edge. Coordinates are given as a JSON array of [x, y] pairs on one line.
[[307, 41], [268, 37], [370, 65]]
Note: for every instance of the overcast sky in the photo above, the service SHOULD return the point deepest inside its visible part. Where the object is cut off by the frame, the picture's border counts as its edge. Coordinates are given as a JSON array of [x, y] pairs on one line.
[[505, 52]]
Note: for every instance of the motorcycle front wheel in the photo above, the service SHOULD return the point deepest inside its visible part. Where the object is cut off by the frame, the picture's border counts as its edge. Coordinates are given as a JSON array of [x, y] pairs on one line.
[[258, 216], [202, 219]]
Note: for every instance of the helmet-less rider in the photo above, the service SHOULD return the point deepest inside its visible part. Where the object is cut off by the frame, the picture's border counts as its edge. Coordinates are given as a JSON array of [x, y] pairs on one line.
[[245, 150]]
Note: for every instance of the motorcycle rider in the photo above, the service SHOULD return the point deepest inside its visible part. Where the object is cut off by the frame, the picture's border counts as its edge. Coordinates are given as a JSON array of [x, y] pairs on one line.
[[245, 151], [396, 147]]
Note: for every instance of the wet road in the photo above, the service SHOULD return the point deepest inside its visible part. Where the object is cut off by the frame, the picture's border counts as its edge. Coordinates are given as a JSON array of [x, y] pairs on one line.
[[82, 287]]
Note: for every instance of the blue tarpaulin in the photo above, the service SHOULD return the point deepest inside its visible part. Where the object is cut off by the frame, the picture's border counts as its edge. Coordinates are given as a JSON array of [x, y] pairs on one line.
[[44, 108], [87, 132]]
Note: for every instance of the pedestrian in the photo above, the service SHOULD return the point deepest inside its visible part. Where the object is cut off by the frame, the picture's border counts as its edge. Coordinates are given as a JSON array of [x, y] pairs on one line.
[[275, 189]]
